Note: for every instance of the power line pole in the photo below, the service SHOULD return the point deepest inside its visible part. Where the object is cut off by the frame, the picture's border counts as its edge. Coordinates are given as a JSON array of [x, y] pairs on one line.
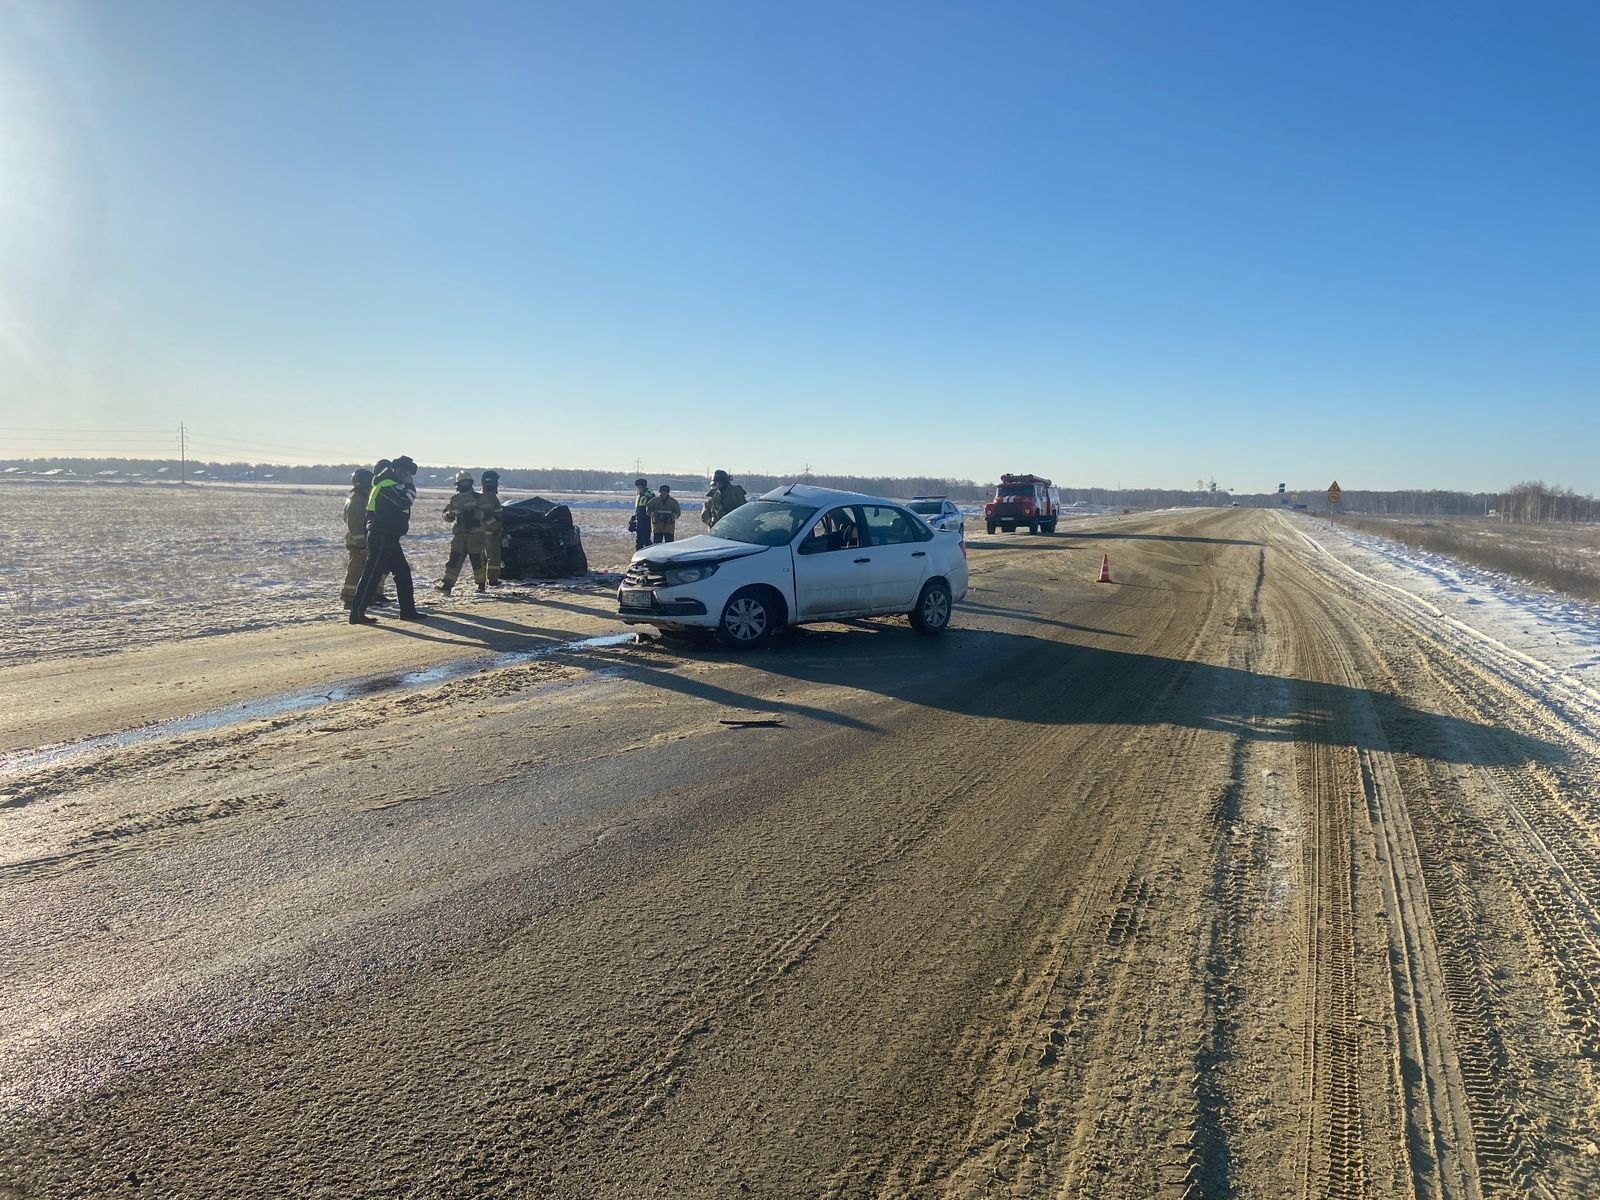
[[183, 453]]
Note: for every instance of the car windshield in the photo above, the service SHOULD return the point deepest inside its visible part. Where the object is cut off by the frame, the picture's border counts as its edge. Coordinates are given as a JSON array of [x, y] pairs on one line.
[[764, 522], [927, 506], [1014, 493]]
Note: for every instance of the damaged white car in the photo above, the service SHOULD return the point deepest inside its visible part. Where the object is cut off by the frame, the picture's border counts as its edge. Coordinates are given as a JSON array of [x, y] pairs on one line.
[[795, 555]]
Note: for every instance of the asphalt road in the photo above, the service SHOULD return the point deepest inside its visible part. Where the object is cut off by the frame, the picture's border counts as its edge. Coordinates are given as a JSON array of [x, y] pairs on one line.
[[1224, 879]]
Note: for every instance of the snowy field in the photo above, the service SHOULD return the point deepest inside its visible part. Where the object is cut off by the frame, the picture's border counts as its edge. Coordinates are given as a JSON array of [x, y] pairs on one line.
[[1549, 642], [94, 568]]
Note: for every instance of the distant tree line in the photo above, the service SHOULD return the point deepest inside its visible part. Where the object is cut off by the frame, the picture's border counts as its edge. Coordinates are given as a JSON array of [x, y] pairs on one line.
[[1524, 503], [535, 479], [1535, 502], [1431, 503]]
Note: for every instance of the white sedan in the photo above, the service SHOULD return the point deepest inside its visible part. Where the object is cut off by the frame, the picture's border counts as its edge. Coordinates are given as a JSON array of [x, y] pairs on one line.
[[795, 555], [938, 511]]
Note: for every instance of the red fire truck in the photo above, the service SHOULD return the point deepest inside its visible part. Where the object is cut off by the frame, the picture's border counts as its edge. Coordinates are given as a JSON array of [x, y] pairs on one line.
[[1023, 500]]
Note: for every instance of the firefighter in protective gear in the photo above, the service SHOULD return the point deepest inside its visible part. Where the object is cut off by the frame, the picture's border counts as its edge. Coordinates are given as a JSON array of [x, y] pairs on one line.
[[493, 526], [464, 514], [664, 512], [639, 523], [724, 496], [355, 538], [388, 520]]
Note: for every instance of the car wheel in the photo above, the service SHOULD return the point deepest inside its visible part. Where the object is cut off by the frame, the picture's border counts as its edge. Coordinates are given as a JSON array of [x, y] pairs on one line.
[[748, 620], [932, 613], [1033, 527], [991, 526]]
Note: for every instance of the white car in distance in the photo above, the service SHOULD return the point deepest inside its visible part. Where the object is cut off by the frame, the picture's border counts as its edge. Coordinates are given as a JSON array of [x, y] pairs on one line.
[[795, 555], [939, 512]]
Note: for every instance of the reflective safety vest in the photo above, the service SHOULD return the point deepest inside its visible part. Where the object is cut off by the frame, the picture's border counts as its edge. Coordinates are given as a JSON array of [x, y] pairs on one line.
[[372, 497]]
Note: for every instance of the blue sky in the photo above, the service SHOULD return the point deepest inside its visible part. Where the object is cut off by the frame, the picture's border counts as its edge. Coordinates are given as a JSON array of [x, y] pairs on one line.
[[1118, 243]]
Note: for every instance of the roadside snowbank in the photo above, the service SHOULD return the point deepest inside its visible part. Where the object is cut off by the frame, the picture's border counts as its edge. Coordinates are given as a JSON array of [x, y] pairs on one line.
[[1553, 641]]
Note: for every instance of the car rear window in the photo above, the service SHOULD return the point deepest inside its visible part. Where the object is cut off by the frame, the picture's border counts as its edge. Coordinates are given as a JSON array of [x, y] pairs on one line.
[[927, 506]]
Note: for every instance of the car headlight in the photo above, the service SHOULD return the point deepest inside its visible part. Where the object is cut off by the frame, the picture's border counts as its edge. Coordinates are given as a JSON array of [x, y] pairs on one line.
[[678, 576]]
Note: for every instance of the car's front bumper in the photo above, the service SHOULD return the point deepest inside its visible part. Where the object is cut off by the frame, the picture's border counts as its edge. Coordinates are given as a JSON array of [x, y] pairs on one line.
[[645, 606]]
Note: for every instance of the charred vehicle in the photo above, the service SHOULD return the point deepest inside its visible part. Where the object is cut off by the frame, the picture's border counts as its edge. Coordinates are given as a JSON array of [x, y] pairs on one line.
[[541, 542]]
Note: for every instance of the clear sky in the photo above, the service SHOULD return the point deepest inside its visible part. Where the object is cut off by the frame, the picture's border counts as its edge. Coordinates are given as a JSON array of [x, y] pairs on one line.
[[1113, 243]]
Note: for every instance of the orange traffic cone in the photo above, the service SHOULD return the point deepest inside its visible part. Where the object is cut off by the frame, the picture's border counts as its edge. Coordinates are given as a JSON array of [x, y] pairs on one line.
[[1105, 569]]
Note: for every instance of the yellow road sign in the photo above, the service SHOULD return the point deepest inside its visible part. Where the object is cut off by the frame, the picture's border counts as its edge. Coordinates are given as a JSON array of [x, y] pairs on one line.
[[1333, 492]]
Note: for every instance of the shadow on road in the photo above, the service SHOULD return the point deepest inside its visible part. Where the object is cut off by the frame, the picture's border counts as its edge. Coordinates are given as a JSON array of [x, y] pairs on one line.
[[1033, 618], [1166, 537], [1042, 541], [1038, 681]]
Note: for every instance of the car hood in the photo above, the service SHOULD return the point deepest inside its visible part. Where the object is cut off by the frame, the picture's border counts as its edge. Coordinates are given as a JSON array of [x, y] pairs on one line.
[[702, 548]]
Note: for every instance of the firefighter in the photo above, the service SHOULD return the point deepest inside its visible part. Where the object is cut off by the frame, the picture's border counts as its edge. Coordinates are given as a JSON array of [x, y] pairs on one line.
[[388, 520], [493, 527], [355, 538], [724, 496], [664, 512], [464, 515], [639, 523]]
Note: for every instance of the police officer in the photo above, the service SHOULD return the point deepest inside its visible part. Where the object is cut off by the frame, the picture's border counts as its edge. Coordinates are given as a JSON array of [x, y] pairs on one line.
[[355, 538], [493, 526], [388, 520], [464, 514], [724, 496], [639, 523], [664, 512]]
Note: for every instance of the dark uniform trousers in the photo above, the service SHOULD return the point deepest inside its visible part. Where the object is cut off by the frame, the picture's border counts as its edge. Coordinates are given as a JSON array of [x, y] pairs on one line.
[[641, 527], [384, 556]]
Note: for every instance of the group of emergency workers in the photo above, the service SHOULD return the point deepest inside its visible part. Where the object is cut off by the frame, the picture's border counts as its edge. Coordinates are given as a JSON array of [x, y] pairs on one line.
[[377, 514], [655, 514], [476, 530]]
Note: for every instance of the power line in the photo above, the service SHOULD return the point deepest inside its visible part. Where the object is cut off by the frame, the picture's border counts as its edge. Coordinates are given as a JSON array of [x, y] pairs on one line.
[[71, 429]]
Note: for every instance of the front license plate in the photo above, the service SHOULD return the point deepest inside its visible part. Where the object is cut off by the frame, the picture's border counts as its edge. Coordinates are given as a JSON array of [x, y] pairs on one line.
[[636, 597]]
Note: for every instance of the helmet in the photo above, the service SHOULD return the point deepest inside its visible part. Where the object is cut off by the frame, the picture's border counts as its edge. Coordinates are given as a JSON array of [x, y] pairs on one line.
[[666, 489], [383, 464], [719, 476], [361, 478], [491, 480], [404, 463], [464, 477]]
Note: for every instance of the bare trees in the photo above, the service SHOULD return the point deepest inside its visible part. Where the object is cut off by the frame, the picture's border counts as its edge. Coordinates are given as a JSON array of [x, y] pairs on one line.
[[1534, 502]]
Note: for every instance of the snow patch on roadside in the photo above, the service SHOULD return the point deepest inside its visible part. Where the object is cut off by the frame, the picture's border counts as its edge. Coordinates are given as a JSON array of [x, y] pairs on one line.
[[1552, 640]]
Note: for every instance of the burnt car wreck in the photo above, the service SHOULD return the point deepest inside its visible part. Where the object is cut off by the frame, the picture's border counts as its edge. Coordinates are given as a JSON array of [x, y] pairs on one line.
[[541, 542]]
